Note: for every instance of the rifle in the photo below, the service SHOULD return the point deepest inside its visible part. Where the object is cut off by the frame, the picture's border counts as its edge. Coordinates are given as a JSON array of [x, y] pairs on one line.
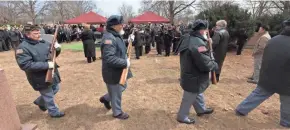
[[52, 55], [213, 74], [126, 70]]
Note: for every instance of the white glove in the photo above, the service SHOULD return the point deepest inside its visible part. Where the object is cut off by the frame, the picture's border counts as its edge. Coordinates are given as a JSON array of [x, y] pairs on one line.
[[128, 63], [50, 65], [56, 45], [131, 38]]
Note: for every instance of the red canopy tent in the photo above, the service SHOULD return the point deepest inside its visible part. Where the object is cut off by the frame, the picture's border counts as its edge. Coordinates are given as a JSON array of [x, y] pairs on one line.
[[149, 17], [90, 18]]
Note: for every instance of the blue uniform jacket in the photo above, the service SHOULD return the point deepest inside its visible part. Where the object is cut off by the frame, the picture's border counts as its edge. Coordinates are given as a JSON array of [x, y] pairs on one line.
[[32, 57], [114, 57]]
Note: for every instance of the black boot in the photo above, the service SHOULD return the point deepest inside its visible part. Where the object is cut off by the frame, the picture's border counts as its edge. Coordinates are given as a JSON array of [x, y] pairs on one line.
[[94, 59], [89, 59]]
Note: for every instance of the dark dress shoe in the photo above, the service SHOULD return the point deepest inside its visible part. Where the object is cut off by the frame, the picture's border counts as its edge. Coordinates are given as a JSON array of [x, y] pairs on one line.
[[58, 115], [188, 121], [207, 111], [122, 116], [239, 113], [42, 108], [106, 103], [252, 81]]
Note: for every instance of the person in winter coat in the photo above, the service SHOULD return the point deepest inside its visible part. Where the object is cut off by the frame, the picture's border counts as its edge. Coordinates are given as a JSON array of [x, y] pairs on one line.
[[220, 44], [195, 66], [88, 39]]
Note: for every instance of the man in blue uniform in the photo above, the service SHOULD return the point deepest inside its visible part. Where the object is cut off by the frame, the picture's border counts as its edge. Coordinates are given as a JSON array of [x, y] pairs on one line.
[[114, 60], [32, 57], [195, 65]]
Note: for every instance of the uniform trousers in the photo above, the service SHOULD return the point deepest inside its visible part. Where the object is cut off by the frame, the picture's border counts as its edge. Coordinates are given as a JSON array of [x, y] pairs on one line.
[[47, 99], [188, 99], [114, 96], [258, 96]]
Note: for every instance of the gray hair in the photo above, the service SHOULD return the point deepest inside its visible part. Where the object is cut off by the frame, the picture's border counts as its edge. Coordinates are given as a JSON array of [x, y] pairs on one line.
[[222, 23]]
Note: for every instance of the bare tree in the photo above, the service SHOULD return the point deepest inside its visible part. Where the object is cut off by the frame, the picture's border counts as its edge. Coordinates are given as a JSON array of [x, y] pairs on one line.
[[77, 8], [210, 4], [33, 9], [259, 8], [168, 9], [9, 11], [283, 6], [126, 11]]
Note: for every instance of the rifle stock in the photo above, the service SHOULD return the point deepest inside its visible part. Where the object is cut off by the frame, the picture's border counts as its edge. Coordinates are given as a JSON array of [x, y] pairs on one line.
[[213, 74], [124, 75], [52, 55]]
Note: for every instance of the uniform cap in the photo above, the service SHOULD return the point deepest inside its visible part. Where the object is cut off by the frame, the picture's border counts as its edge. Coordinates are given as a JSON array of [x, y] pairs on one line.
[[114, 20], [29, 28], [199, 25]]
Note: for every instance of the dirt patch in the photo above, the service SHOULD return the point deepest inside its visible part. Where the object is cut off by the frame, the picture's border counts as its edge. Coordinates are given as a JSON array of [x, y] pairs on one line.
[[152, 98]]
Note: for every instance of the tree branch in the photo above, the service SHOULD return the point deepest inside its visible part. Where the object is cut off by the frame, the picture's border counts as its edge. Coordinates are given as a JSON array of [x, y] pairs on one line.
[[184, 7]]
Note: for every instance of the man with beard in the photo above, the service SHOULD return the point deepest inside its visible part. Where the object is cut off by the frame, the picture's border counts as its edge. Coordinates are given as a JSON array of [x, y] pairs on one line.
[[114, 60], [274, 77], [220, 44], [31, 56], [195, 66]]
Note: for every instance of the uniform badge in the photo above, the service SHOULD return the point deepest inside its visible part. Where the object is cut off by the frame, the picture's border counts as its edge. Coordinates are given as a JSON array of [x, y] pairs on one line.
[[202, 49], [19, 51], [108, 41]]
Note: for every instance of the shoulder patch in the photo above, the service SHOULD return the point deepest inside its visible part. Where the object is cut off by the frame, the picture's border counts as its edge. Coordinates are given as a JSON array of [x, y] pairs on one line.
[[202, 49], [108, 41], [19, 51]]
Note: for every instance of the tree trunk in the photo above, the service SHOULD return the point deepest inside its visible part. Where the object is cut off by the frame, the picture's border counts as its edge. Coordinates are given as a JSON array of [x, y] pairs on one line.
[[171, 12]]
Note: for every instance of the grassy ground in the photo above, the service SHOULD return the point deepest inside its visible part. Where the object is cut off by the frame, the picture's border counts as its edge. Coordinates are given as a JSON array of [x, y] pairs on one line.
[[74, 46]]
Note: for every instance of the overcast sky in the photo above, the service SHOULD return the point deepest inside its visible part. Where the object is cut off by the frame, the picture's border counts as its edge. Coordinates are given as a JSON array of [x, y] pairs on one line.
[[110, 7]]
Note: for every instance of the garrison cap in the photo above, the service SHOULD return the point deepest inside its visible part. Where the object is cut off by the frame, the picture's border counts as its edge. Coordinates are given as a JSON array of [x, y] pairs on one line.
[[28, 28], [199, 25], [115, 20], [287, 22]]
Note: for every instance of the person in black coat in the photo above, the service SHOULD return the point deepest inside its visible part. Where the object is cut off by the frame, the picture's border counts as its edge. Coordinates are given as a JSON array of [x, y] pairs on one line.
[[88, 39], [159, 40], [220, 44], [15, 38], [168, 37], [274, 77], [138, 43], [195, 66]]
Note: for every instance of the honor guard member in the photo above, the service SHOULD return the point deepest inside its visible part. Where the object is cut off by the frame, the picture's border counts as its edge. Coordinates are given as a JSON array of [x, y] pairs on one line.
[[114, 60], [32, 56], [195, 66], [274, 77]]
